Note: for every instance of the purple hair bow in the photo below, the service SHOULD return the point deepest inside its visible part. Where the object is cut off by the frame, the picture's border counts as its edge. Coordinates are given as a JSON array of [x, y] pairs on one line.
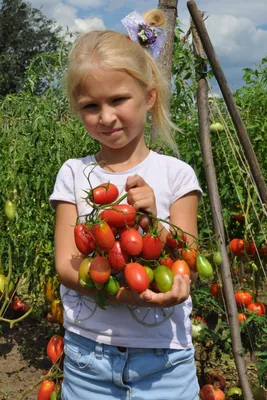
[[150, 37]]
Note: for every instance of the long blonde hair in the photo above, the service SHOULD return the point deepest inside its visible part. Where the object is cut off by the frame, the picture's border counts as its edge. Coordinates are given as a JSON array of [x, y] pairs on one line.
[[115, 50]]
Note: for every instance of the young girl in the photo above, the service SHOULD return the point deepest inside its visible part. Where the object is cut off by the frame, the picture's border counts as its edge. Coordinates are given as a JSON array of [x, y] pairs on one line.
[[140, 348]]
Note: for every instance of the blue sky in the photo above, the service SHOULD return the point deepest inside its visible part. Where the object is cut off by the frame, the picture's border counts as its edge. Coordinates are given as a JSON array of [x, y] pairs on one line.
[[237, 28]]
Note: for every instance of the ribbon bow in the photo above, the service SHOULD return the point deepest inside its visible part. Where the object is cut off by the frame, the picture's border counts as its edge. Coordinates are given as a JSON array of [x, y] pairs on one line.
[[150, 37]]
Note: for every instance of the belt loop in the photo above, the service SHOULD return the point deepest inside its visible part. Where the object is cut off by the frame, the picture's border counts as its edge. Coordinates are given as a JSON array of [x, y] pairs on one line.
[[99, 351]]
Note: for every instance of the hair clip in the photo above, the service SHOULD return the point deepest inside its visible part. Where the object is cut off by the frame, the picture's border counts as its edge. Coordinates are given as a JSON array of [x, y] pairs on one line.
[[150, 37]]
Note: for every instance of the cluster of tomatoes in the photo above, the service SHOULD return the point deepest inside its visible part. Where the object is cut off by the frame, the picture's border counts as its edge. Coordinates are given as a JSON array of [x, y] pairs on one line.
[[239, 247], [118, 254]]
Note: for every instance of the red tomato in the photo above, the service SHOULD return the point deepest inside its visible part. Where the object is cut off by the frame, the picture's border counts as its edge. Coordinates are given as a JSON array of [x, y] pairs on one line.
[[263, 251], [241, 317], [214, 289], [152, 247], [104, 236], [84, 239], [180, 267], [119, 216], [166, 260], [105, 193], [131, 241], [208, 392], [237, 246], [117, 257], [136, 277], [18, 305], [240, 217], [251, 249], [257, 308], [55, 347], [243, 298], [190, 256], [176, 239], [100, 270], [45, 390]]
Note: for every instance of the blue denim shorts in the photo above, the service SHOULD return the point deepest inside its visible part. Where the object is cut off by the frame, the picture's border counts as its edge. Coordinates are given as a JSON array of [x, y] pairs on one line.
[[97, 371]]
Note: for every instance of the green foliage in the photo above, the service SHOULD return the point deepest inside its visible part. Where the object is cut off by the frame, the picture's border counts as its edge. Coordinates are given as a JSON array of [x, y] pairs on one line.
[[24, 33]]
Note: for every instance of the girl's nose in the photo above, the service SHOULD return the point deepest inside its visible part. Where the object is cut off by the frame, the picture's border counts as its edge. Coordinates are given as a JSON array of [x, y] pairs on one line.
[[107, 116]]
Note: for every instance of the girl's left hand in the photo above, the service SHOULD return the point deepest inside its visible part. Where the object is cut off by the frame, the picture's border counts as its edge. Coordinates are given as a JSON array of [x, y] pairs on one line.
[[141, 196]]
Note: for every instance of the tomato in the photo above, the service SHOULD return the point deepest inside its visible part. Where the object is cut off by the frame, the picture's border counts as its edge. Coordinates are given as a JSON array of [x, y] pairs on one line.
[[208, 392], [117, 257], [150, 273], [234, 393], [213, 378], [197, 327], [190, 256], [131, 241], [119, 216], [241, 317], [240, 217], [10, 210], [84, 277], [100, 270], [180, 267], [263, 251], [214, 289], [49, 290], [251, 249], [104, 236], [204, 267], [57, 311], [136, 277], [166, 260], [2, 283], [112, 286], [84, 239], [216, 127], [152, 246], [46, 389], [257, 308], [176, 239], [163, 278], [19, 306], [217, 258], [105, 193], [243, 298], [237, 246], [55, 347]]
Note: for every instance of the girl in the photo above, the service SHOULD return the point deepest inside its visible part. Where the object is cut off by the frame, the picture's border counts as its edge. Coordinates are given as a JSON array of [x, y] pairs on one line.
[[140, 347]]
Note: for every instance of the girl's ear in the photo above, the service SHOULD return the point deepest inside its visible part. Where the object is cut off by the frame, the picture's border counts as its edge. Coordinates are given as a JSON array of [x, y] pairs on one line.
[[151, 98]]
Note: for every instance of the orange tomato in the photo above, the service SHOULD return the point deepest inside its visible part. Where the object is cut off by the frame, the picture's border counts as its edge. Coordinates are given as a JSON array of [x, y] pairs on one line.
[[180, 267]]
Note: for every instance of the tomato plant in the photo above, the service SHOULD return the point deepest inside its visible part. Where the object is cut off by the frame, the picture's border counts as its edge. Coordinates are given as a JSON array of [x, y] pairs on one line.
[[46, 389], [105, 193], [180, 267], [100, 270], [119, 216], [237, 246], [84, 239], [152, 246], [117, 257], [55, 347], [163, 278], [131, 241], [136, 277], [243, 298], [190, 256]]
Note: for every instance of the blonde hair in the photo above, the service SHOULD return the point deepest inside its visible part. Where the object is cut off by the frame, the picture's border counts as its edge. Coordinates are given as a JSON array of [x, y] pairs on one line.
[[115, 50]]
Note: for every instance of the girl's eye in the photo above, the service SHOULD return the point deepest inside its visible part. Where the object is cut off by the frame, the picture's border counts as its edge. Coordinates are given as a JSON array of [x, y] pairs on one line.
[[119, 99]]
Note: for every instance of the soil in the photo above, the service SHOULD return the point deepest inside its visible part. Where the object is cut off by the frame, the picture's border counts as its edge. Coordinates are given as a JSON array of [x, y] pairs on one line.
[[23, 357]]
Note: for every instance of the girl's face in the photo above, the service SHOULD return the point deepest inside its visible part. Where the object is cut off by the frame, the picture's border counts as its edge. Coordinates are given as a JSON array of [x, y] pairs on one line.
[[113, 107]]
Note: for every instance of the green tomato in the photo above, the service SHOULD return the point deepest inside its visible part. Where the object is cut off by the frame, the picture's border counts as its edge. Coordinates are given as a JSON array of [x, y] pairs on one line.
[[217, 258], [234, 393], [10, 210], [197, 327], [2, 283], [164, 278], [216, 127], [150, 273], [84, 277], [53, 396], [204, 267], [112, 286]]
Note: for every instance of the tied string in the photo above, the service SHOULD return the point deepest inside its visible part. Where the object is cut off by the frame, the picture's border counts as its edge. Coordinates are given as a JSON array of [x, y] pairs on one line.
[[150, 37]]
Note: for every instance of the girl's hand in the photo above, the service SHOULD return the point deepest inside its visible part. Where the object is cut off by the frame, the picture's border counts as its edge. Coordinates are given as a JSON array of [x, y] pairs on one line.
[[141, 196], [178, 294]]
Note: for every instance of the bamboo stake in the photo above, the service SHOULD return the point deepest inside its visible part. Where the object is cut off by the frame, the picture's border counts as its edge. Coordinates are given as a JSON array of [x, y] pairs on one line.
[[205, 143], [230, 102]]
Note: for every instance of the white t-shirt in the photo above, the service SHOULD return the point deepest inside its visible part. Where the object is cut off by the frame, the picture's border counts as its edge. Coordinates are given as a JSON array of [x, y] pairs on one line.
[[124, 325]]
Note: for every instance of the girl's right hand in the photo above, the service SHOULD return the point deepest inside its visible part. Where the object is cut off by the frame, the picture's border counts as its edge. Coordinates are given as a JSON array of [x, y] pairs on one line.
[[178, 294]]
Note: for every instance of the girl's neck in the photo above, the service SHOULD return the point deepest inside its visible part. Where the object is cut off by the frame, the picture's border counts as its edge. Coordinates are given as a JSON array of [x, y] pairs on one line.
[[120, 160]]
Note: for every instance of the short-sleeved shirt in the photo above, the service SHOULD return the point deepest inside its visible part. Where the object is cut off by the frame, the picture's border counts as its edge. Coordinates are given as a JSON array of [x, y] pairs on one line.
[[121, 324]]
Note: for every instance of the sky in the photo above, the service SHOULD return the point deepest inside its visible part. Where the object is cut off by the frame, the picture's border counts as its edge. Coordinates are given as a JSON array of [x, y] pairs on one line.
[[237, 28]]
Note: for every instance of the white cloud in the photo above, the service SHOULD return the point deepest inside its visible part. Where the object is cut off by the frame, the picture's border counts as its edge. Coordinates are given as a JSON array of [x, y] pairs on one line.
[[85, 4]]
